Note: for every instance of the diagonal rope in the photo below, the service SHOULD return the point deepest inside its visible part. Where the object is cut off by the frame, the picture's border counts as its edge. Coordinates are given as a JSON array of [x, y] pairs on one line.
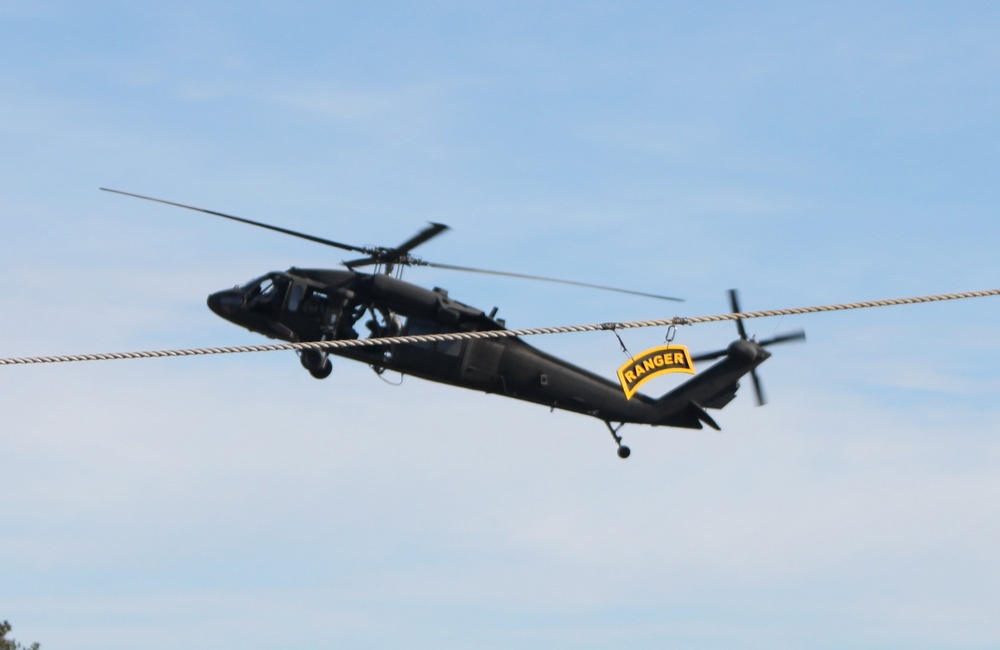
[[494, 334]]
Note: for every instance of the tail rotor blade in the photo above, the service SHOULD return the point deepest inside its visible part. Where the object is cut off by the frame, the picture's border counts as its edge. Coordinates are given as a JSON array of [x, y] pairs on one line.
[[708, 356], [797, 335], [758, 390], [734, 302]]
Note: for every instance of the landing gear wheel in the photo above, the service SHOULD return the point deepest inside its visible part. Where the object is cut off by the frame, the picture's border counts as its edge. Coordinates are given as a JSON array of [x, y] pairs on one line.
[[623, 452], [317, 362], [323, 372]]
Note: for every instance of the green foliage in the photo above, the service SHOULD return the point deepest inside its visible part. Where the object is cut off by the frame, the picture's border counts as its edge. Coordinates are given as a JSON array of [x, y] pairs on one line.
[[11, 644]]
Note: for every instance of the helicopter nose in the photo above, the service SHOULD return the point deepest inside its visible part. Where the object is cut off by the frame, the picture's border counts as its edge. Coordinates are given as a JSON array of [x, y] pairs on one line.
[[226, 303]]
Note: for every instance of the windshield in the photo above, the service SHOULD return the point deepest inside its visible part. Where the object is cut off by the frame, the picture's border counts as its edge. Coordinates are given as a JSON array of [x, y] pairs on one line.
[[261, 290]]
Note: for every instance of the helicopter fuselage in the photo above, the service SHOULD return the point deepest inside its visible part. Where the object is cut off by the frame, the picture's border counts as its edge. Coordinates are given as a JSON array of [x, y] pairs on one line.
[[319, 304], [306, 305]]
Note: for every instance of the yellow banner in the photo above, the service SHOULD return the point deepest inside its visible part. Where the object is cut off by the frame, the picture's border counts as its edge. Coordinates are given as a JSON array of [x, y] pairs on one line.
[[652, 363]]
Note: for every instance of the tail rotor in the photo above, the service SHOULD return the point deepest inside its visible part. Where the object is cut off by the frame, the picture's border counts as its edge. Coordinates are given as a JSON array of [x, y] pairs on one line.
[[734, 303]]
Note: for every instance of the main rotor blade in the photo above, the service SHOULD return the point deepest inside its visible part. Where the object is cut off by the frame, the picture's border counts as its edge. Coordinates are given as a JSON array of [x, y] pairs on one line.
[[431, 231], [523, 276], [364, 261], [286, 231], [401, 253]]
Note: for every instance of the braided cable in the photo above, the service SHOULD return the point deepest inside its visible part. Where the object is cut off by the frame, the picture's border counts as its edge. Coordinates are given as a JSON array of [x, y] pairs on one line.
[[493, 334]]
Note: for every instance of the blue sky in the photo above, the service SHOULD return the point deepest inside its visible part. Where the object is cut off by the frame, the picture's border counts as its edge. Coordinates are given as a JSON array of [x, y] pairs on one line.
[[804, 154]]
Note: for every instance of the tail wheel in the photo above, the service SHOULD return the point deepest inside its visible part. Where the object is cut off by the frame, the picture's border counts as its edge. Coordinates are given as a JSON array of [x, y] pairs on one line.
[[623, 451]]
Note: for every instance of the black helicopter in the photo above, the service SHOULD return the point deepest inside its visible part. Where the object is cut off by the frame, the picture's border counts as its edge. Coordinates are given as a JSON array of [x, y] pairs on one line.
[[300, 305]]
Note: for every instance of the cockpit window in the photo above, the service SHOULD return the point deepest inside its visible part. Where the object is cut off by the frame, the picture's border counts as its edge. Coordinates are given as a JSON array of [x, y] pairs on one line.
[[295, 297], [250, 285], [260, 290]]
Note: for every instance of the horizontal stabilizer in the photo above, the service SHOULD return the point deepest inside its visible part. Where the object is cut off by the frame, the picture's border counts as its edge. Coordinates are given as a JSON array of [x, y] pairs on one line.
[[703, 416]]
